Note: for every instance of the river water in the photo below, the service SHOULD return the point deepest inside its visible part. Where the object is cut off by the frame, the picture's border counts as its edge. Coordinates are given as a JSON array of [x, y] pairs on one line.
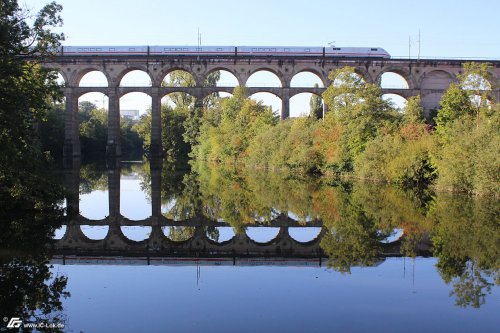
[[146, 248]]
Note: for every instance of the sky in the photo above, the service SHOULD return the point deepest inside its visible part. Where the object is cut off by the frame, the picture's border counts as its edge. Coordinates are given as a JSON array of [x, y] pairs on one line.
[[447, 28]]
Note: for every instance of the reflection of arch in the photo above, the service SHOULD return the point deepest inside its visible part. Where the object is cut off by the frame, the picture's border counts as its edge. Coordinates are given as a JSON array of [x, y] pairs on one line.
[[136, 233], [182, 234], [79, 76], [297, 234], [93, 232], [266, 70], [316, 73], [127, 71], [262, 235]]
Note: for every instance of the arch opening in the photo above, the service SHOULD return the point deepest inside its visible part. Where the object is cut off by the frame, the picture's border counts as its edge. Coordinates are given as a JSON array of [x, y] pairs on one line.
[[220, 234], [263, 78], [225, 79], [304, 235], [392, 80], [178, 78], [178, 233], [136, 78], [306, 79], [262, 234], [136, 233], [397, 101], [271, 100], [306, 105], [93, 122], [95, 232], [93, 78], [135, 194]]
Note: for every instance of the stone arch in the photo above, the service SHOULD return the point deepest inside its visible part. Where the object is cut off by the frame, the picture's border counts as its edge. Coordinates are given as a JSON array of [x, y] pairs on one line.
[[314, 72], [234, 73], [165, 99], [119, 78], [280, 77], [436, 79], [78, 76], [362, 73], [402, 73], [166, 71]]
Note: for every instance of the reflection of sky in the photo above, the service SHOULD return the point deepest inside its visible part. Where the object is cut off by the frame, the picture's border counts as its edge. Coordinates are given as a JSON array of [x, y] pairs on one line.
[[134, 203], [396, 296]]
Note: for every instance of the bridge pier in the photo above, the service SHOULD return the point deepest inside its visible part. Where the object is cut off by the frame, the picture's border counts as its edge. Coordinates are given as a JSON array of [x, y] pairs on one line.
[[113, 147], [285, 107], [156, 149], [71, 133]]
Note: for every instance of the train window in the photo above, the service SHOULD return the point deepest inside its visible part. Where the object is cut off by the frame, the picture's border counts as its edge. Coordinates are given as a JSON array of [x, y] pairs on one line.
[[92, 49], [287, 50], [131, 49], [85, 50], [219, 49], [98, 49], [273, 50], [185, 49], [112, 49], [254, 50], [199, 49], [374, 50], [336, 48], [80, 49], [307, 50]]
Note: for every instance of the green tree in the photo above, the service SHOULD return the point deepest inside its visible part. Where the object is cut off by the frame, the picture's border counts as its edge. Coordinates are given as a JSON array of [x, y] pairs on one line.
[[27, 93], [316, 105]]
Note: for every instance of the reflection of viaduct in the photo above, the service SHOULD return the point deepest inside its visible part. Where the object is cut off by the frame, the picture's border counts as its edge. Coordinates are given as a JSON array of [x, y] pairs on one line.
[[75, 242], [427, 78]]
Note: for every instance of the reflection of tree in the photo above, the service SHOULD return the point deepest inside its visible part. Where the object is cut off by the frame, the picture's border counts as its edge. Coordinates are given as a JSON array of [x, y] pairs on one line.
[[93, 177], [465, 240], [180, 234], [28, 289], [354, 238]]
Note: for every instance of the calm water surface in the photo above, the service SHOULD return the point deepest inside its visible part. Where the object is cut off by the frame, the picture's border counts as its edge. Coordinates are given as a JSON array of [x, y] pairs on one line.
[[147, 249]]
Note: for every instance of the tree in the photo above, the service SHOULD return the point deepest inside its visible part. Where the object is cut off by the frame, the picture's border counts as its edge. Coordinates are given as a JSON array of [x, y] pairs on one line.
[[26, 94], [316, 105]]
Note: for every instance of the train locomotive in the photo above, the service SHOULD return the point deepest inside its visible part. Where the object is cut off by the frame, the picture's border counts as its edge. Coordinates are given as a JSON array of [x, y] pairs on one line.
[[232, 51]]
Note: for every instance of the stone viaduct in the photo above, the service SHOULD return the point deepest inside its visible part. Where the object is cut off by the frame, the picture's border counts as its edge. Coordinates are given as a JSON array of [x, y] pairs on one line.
[[424, 77]]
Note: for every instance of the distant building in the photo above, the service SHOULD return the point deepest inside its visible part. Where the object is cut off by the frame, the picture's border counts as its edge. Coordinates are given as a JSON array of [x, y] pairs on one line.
[[130, 114]]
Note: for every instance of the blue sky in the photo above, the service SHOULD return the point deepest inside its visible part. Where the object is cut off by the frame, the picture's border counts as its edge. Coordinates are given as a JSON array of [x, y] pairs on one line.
[[449, 28]]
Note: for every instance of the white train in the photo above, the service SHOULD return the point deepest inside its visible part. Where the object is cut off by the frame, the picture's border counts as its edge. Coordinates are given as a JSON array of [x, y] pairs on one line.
[[255, 51]]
